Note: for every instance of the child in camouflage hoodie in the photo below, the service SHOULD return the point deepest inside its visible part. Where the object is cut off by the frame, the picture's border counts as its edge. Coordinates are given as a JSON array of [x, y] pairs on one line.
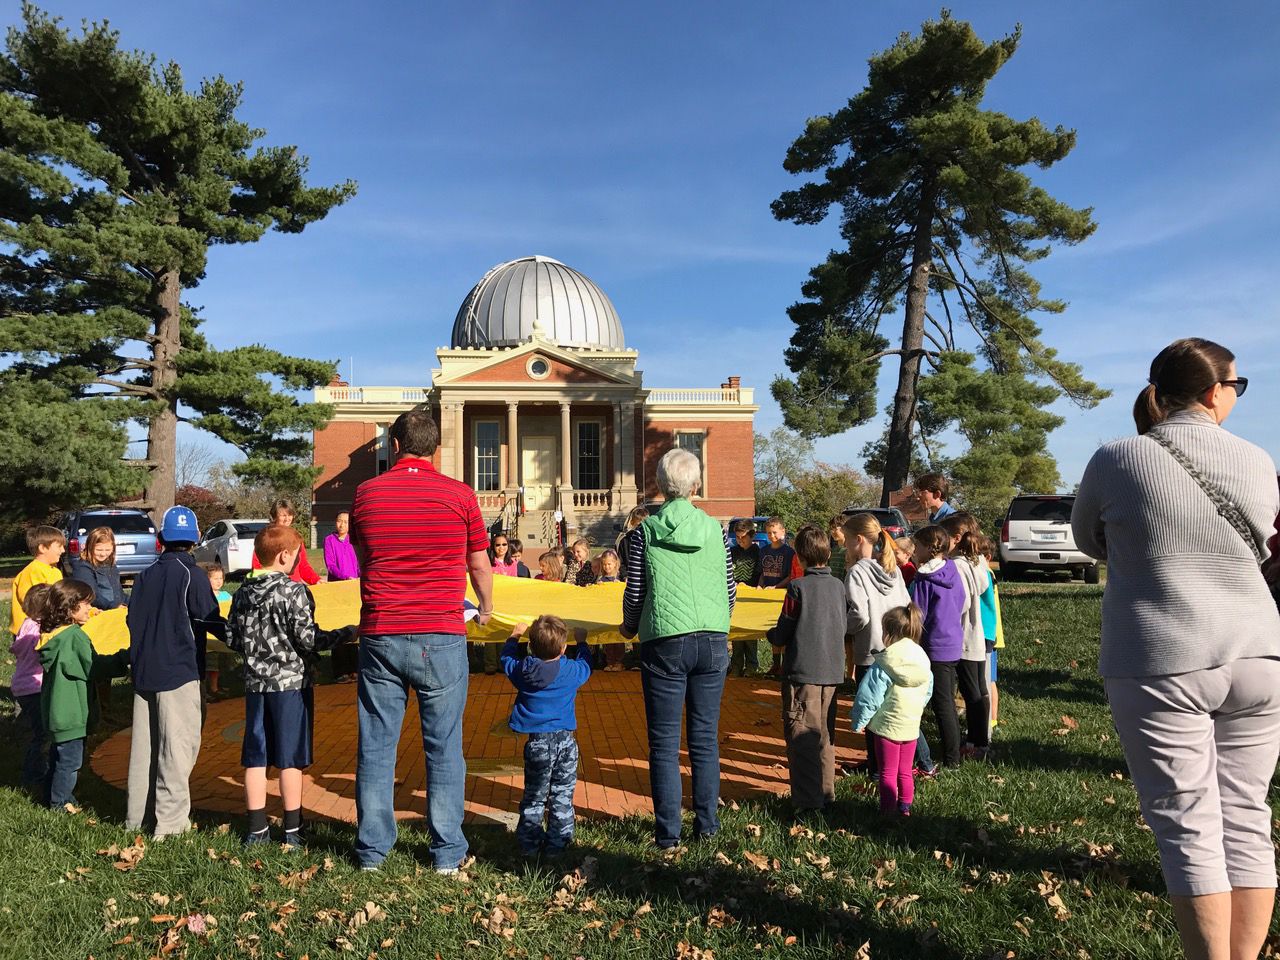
[[272, 624]]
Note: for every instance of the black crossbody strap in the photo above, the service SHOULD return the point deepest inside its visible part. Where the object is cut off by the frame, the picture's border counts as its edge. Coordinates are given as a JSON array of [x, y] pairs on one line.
[[1226, 509]]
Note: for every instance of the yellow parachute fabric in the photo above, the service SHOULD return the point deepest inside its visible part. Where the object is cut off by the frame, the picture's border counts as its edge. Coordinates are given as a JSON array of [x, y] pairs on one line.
[[515, 600]]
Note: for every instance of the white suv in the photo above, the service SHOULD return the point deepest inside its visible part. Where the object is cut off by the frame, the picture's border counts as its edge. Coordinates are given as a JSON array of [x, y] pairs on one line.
[[1037, 534]]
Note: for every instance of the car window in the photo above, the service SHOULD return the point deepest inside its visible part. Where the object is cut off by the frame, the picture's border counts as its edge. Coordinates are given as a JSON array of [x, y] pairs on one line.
[[217, 530], [118, 522], [1046, 510], [247, 531]]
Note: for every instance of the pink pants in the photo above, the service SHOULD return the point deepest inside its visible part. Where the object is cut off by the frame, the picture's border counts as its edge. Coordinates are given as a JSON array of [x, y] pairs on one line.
[[897, 786]]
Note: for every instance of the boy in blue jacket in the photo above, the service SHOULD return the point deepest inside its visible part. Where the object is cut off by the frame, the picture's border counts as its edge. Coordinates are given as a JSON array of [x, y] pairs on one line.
[[547, 684]]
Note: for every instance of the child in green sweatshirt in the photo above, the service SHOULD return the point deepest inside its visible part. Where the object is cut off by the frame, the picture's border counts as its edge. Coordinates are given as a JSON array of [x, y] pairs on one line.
[[68, 703]]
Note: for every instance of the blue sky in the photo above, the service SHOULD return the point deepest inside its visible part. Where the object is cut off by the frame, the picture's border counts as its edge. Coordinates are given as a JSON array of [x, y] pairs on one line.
[[642, 144]]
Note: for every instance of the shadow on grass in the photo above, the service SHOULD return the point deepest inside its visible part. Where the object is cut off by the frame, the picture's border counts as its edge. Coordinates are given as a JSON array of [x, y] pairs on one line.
[[1033, 754], [1046, 683]]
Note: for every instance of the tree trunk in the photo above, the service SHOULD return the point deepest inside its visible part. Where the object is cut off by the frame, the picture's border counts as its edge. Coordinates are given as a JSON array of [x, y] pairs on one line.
[[897, 464], [162, 433]]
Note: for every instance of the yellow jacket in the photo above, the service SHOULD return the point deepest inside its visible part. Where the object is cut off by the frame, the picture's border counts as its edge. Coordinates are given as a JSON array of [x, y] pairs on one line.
[[37, 571]]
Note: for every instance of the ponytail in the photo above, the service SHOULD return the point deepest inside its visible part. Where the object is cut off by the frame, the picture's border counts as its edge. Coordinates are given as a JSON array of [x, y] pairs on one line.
[[967, 532], [866, 526], [888, 552], [1180, 375], [1148, 410], [968, 547]]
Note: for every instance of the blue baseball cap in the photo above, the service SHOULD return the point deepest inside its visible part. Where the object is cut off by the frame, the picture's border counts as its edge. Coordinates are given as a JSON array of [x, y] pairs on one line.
[[179, 526]]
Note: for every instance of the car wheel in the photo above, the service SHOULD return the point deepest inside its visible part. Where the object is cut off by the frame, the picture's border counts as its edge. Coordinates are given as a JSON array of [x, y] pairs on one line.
[[1092, 574]]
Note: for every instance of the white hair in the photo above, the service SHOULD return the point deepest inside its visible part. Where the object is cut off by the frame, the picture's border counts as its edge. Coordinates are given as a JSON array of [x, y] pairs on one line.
[[679, 474]]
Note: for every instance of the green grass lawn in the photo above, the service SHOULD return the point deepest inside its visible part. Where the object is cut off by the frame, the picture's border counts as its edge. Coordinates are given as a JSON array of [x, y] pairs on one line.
[[1038, 854]]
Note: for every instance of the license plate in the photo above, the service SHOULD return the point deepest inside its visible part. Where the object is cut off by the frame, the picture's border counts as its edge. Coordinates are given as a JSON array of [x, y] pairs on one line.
[[125, 549], [1051, 537]]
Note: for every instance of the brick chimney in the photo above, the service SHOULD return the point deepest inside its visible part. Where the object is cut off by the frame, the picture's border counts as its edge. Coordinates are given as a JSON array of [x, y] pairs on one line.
[[735, 383], [337, 381]]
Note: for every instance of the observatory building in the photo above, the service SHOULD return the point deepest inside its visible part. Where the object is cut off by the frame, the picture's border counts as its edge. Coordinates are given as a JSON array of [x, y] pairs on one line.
[[542, 410]]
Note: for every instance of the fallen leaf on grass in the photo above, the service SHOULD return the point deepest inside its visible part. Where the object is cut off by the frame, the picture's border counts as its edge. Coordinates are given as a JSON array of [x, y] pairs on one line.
[[897, 904], [864, 952], [501, 921], [687, 951], [299, 879], [128, 857], [754, 829], [757, 860], [641, 910], [718, 917]]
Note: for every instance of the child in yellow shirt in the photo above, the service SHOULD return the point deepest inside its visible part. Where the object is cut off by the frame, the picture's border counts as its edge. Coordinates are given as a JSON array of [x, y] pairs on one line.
[[47, 545]]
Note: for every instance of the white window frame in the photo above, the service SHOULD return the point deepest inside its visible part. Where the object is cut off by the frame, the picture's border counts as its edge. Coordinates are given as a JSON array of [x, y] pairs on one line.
[[702, 456], [577, 452], [475, 455]]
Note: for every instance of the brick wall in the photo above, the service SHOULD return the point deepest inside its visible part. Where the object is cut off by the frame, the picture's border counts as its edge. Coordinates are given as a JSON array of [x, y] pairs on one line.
[[346, 452], [729, 449]]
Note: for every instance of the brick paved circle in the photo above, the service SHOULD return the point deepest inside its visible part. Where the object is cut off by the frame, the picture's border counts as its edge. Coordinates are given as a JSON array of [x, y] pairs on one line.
[[613, 780]]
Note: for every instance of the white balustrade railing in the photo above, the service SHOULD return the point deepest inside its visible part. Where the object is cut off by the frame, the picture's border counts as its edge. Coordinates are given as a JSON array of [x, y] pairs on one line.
[[592, 499], [370, 394], [701, 395]]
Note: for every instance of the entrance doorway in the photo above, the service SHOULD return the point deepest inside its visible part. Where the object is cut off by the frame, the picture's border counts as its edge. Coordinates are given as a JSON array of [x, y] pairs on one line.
[[538, 472]]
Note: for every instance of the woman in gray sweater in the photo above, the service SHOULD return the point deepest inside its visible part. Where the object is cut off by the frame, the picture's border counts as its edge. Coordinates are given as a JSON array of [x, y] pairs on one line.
[[1191, 640]]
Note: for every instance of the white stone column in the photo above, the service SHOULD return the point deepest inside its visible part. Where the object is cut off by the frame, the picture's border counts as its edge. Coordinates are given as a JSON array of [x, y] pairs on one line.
[[513, 448], [460, 442], [566, 470], [630, 493], [617, 484], [566, 447]]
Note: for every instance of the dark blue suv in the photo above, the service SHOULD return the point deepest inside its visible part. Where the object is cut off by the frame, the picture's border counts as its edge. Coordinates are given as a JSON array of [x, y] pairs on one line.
[[137, 544]]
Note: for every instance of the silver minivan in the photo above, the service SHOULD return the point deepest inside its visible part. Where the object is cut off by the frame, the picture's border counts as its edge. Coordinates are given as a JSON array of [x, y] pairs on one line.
[[1037, 535]]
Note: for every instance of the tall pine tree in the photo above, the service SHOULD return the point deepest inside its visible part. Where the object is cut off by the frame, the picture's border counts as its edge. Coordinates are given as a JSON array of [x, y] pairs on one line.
[[115, 180], [939, 221]]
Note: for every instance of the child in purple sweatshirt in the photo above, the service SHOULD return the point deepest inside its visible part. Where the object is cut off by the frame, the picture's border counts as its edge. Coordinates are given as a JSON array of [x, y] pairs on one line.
[[940, 593], [28, 679]]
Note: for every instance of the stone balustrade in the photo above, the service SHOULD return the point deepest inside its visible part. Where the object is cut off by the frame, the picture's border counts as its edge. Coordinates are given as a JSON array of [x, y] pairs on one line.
[[730, 396], [370, 395]]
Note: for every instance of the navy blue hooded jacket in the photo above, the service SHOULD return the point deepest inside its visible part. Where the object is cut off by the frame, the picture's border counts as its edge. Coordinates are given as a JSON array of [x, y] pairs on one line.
[[546, 689], [168, 609]]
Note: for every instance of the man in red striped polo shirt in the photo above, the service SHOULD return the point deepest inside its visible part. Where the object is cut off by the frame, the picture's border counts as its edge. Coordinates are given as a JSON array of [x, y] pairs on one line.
[[418, 535]]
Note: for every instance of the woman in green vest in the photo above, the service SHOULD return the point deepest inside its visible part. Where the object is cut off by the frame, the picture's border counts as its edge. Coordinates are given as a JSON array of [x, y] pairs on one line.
[[680, 592]]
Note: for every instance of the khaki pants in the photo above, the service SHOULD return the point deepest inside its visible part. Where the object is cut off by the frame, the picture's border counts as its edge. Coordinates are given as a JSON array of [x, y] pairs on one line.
[[162, 754], [1201, 749], [809, 726]]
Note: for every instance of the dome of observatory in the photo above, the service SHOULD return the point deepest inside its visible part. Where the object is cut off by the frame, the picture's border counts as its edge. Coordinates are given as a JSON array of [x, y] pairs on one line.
[[519, 298]]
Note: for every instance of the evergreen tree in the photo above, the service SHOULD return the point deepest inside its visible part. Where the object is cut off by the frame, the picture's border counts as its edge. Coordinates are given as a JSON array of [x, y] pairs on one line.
[[939, 220], [115, 180]]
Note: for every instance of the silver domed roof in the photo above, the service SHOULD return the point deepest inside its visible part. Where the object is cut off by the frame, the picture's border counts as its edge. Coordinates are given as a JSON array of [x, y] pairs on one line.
[[536, 294]]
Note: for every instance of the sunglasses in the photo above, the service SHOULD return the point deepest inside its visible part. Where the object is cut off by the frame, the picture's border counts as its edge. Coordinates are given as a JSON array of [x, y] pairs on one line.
[[1239, 384]]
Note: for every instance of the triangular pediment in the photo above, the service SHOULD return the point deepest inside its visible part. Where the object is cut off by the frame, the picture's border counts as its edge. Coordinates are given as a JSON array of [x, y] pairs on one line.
[[516, 365]]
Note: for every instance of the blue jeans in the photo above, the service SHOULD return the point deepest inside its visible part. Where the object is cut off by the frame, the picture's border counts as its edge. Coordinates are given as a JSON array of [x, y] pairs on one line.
[[65, 760], [924, 759], [34, 764], [684, 673], [550, 776], [434, 665]]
